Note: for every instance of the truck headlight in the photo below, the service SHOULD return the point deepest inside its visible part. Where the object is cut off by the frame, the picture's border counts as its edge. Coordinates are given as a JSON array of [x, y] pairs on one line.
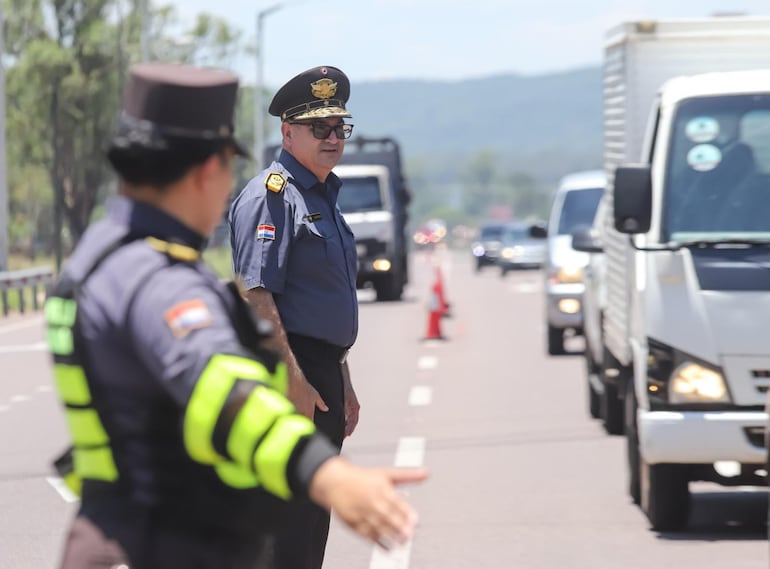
[[567, 275], [694, 383]]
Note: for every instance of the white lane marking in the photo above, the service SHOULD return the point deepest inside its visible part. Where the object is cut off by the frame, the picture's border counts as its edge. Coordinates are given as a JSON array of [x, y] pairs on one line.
[[20, 398], [410, 453], [44, 389], [396, 558], [420, 395], [35, 347], [427, 362], [525, 288], [62, 489], [27, 323]]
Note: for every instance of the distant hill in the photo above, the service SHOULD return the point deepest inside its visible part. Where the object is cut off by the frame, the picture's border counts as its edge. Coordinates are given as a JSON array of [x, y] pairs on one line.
[[545, 125]]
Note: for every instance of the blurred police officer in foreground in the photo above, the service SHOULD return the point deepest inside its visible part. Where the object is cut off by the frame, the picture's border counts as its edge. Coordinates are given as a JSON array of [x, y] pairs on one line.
[[186, 447], [297, 257]]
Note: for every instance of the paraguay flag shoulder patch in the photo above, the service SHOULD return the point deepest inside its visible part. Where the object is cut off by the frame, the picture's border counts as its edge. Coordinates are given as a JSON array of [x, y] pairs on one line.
[[187, 316], [266, 232]]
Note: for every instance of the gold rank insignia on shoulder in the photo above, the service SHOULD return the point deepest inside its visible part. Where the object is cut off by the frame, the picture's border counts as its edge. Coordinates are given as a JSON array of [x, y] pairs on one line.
[[275, 182], [313, 217], [176, 251]]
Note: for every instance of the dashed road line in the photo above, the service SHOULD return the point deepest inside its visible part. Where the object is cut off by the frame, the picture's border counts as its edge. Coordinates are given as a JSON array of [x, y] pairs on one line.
[[62, 489], [420, 395], [427, 362], [26, 323], [34, 347]]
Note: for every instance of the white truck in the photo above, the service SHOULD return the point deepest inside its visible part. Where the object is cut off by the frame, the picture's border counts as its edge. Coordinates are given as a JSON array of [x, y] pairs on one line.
[[686, 362]]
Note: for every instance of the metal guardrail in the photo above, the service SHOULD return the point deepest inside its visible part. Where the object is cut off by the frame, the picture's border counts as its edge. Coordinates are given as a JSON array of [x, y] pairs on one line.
[[20, 281]]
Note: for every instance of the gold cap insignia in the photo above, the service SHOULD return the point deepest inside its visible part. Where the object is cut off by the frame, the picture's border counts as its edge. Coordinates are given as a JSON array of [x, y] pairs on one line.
[[275, 182], [323, 88]]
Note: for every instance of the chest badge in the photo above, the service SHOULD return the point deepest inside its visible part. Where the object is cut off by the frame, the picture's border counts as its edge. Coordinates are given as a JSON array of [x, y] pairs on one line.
[[275, 182], [265, 231], [313, 217]]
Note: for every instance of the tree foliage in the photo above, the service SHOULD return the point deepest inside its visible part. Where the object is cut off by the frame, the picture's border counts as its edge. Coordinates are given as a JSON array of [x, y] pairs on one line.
[[66, 64]]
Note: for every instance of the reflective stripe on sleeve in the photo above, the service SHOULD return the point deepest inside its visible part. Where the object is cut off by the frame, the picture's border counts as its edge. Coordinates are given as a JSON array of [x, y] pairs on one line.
[[256, 416], [86, 428], [95, 463], [72, 384], [273, 453], [208, 398]]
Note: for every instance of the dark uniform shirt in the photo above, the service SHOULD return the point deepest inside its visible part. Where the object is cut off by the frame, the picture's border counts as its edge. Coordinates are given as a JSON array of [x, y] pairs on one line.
[[296, 244], [150, 326]]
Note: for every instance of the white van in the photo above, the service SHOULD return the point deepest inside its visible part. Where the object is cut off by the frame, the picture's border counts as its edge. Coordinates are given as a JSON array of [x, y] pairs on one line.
[[574, 206]]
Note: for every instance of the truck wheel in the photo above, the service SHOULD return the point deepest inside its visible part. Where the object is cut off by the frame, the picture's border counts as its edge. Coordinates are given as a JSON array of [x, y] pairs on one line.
[[594, 398], [555, 341], [611, 405], [665, 495], [387, 289], [632, 444]]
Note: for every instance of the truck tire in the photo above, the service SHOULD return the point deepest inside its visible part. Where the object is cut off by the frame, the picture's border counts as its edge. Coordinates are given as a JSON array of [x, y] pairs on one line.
[[594, 398], [555, 341], [632, 444], [611, 404], [665, 495], [389, 288]]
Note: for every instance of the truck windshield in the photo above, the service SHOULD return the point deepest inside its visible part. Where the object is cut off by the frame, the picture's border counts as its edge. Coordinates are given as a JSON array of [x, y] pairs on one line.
[[360, 194], [718, 171], [578, 209]]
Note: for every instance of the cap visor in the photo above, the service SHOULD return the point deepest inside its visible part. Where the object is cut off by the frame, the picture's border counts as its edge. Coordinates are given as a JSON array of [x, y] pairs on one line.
[[321, 113]]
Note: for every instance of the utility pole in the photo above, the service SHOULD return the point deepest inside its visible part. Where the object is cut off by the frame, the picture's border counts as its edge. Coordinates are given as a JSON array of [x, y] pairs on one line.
[[259, 111], [144, 38], [3, 159]]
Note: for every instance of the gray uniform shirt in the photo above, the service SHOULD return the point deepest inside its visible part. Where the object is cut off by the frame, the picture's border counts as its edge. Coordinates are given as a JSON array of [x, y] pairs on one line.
[[296, 244]]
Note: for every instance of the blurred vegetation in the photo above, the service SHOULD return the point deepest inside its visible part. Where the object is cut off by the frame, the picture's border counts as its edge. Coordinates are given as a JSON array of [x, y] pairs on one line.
[[66, 62], [472, 149]]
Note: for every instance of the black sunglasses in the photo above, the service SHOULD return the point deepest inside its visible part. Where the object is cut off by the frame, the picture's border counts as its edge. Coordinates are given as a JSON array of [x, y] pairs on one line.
[[322, 131]]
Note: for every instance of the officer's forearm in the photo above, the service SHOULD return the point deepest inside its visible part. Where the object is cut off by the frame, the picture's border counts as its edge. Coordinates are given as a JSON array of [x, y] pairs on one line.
[[264, 305]]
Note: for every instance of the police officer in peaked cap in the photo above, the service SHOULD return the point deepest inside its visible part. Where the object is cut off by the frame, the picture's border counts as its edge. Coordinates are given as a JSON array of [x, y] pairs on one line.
[[185, 450], [297, 259]]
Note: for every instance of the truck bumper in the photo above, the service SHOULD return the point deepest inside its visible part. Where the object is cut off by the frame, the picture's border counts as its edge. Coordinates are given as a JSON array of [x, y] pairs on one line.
[[555, 297], [694, 437]]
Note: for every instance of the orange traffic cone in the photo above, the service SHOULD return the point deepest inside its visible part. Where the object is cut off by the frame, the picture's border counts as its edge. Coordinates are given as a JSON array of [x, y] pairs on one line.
[[434, 315], [443, 304]]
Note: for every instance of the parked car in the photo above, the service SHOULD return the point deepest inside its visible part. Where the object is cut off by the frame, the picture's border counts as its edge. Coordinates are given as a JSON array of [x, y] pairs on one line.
[[574, 205], [522, 247], [486, 247]]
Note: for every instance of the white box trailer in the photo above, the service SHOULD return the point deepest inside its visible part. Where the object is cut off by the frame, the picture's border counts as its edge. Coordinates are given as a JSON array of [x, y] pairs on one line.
[[686, 364]]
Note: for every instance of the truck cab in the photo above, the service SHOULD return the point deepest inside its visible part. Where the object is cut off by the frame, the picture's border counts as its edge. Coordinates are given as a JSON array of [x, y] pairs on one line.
[[695, 216]]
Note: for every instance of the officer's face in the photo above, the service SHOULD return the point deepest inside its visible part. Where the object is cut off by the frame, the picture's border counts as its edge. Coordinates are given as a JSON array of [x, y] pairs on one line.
[[318, 156]]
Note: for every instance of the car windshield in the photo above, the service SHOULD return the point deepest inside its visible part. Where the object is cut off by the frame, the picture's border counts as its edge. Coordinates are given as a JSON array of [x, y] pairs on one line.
[[718, 171], [578, 209], [492, 232], [360, 194], [516, 234]]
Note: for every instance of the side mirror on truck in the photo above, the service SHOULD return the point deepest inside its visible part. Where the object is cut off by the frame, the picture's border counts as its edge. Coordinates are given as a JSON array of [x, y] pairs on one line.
[[538, 231], [583, 240], [632, 198]]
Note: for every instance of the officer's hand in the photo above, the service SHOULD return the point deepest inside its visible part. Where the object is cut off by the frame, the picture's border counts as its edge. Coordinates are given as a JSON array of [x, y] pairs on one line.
[[366, 499], [304, 396]]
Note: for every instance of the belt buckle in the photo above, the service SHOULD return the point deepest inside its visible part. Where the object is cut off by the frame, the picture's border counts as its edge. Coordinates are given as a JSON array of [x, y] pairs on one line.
[[344, 356]]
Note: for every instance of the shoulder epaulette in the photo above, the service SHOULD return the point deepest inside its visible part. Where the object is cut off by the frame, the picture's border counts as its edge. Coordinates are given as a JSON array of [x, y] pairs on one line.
[[176, 251], [275, 182]]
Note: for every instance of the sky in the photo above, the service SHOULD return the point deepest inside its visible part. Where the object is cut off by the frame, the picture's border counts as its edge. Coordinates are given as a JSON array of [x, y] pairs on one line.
[[451, 40]]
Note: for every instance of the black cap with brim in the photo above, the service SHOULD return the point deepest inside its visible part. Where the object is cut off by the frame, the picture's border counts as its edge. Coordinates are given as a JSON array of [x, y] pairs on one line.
[[320, 92], [164, 102]]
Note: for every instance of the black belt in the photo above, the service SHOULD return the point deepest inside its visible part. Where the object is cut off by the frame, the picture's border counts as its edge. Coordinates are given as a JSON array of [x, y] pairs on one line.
[[339, 353]]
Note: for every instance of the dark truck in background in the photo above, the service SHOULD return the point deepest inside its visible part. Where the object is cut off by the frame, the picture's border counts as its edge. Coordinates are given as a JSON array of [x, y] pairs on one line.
[[374, 200]]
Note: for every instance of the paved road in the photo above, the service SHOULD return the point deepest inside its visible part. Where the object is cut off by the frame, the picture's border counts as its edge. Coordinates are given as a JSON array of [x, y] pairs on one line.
[[520, 476]]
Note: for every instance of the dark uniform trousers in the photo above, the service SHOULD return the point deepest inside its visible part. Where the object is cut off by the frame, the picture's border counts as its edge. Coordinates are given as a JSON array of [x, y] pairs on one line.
[[113, 534], [303, 543]]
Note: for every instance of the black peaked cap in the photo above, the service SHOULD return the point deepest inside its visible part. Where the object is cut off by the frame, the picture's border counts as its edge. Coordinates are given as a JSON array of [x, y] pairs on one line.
[[319, 92]]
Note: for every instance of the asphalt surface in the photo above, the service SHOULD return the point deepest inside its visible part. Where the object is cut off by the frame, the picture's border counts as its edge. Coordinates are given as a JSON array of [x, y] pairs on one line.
[[520, 475]]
